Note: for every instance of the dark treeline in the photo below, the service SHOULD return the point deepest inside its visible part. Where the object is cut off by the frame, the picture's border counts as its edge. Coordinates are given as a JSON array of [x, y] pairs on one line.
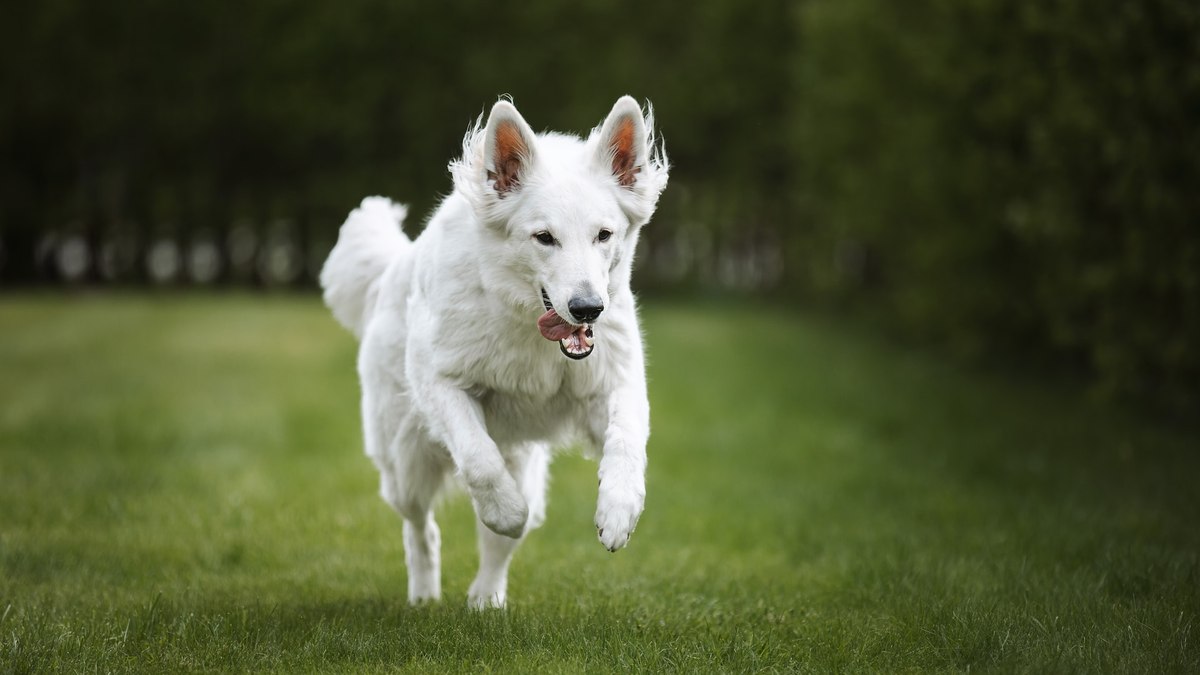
[[999, 177], [162, 116]]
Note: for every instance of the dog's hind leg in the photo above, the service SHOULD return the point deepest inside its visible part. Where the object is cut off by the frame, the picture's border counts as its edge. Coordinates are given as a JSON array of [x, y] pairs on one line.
[[415, 472], [528, 465], [423, 558]]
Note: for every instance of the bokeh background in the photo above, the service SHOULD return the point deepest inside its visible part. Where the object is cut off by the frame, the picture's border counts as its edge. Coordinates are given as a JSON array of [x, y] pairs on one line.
[[1017, 179], [920, 304]]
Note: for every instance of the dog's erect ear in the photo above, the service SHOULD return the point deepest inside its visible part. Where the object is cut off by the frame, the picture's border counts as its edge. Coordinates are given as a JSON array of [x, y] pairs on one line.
[[624, 148], [508, 148], [623, 141]]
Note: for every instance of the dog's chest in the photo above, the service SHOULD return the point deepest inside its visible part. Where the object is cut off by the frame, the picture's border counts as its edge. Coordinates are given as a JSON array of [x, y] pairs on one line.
[[534, 396], [512, 418]]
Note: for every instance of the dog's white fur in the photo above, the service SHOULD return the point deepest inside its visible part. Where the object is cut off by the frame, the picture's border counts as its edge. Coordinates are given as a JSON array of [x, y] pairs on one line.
[[455, 374]]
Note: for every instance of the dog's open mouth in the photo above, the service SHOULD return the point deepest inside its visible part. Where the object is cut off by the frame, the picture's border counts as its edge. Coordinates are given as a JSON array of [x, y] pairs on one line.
[[575, 341]]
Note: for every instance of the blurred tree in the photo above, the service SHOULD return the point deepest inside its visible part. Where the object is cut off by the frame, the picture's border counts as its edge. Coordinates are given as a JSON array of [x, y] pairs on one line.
[[1023, 175]]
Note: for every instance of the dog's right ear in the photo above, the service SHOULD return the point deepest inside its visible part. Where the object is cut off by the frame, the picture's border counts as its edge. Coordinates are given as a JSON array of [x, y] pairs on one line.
[[508, 148]]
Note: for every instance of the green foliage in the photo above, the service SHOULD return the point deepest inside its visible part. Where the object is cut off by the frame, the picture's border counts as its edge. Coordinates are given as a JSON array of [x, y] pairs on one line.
[[150, 111], [1001, 177], [182, 488], [1016, 175]]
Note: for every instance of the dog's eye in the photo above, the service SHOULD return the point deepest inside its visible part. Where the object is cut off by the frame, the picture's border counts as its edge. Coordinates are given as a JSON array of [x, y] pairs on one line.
[[604, 235], [544, 238]]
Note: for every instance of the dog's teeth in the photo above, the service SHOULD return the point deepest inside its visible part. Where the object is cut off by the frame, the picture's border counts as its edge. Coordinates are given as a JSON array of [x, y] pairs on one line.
[[588, 340]]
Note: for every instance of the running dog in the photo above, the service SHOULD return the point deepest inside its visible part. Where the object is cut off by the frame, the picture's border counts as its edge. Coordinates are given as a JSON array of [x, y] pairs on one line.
[[505, 330]]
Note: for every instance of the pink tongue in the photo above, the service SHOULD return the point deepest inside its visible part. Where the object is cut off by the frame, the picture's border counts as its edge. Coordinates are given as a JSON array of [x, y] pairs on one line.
[[554, 327]]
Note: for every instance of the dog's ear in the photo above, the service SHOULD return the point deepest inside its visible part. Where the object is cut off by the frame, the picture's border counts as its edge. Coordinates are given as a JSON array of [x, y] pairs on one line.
[[508, 148], [622, 148], [625, 149]]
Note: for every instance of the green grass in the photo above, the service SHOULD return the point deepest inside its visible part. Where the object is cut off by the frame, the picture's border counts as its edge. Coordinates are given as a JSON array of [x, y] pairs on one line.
[[182, 488]]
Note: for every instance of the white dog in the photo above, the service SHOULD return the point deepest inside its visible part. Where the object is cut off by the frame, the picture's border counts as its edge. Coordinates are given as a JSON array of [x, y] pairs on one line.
[[506, 329]]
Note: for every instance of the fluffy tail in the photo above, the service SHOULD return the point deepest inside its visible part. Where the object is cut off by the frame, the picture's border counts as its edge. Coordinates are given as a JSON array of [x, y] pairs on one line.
[[368, 241]]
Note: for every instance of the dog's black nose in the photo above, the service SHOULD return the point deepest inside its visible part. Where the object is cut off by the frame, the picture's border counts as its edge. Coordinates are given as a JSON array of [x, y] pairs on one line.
[[585, 308]]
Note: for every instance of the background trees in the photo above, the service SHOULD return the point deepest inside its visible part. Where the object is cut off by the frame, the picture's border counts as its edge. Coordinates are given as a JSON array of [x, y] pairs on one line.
[[1001, 177]]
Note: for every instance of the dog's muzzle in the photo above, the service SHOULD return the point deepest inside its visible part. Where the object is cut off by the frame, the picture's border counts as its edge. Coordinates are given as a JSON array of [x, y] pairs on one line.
[[575, 340]]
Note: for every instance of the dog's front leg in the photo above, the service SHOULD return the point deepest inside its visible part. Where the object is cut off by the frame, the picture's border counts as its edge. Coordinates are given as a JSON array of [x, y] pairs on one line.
[[456, 418], [622, 491]]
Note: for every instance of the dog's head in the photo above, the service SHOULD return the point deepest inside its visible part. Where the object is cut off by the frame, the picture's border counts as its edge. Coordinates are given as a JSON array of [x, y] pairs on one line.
[[565, 213]]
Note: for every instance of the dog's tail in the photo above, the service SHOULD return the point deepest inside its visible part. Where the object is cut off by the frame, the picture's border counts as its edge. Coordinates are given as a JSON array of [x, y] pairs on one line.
[[369, 240]]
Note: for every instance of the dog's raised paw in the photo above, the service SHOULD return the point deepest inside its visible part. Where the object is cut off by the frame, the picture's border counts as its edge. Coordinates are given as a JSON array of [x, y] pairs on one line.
[[502, 511], [617, 511]]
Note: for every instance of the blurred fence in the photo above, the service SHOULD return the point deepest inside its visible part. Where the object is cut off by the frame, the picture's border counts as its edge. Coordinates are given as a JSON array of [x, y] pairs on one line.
[[277, 254], [282, 254]]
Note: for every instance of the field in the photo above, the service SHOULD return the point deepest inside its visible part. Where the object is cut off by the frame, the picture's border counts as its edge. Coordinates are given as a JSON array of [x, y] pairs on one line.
[[182, 488]]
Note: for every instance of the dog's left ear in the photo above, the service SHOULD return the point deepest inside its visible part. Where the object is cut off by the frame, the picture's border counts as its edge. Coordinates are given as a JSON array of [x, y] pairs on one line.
[[625, 149], [622, 148]]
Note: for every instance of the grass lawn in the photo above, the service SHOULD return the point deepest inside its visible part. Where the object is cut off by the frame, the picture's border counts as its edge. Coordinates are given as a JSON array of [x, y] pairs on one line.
[[182, 487]]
